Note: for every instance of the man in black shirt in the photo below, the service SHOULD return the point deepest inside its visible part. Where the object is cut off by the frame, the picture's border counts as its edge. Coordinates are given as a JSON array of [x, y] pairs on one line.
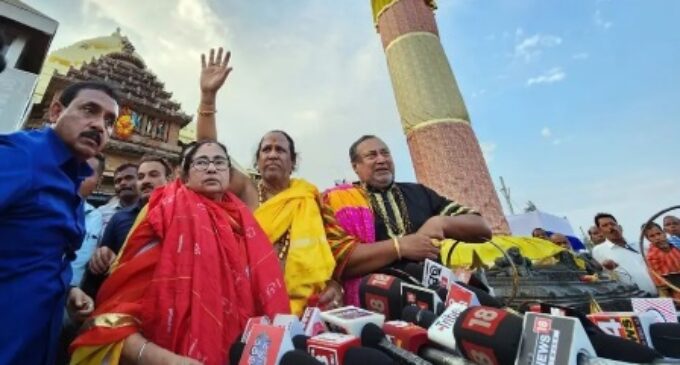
[[408, 218]]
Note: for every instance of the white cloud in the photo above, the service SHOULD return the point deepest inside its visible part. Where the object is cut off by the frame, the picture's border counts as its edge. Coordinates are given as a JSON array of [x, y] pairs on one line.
[[326, 88], [600, 22], [551, 76], [546, 132], [488, 150], [479, 93], [580, 56], [557, 141], [531, 47]]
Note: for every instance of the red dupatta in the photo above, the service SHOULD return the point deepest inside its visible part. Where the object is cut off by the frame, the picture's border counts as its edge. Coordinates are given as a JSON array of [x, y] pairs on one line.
[[190, 275]]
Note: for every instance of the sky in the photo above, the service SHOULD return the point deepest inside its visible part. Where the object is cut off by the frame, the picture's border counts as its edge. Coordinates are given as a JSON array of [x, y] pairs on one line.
[[575, 103]]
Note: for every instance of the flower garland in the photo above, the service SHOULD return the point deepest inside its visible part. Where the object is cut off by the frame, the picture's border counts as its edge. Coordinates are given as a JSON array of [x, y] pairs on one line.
[[124, 126]]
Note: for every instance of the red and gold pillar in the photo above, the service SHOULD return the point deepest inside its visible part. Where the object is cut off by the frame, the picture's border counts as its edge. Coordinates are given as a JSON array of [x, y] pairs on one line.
[[445, 152]]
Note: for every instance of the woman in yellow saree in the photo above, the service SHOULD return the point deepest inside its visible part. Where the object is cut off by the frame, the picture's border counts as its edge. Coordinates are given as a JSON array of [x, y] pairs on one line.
[[287, 209]]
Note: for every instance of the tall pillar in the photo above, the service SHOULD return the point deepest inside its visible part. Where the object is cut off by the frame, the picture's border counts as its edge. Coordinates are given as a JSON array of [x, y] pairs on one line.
[[445, 152]]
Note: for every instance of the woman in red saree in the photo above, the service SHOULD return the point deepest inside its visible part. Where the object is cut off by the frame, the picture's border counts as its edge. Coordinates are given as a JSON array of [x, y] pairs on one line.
[[194, 268]]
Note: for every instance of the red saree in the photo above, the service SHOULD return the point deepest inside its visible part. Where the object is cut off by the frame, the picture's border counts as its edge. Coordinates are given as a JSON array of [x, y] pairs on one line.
[[189, 276]]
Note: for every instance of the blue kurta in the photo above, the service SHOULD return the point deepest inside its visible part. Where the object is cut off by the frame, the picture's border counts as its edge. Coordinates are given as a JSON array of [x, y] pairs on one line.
[[41, 225]]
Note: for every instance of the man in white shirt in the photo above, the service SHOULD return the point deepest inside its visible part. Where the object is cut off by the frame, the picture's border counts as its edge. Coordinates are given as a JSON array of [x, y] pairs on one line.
[[616, 254]]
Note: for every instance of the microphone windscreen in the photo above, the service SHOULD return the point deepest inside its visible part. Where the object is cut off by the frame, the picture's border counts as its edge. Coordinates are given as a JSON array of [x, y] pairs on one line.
[[235, 352], [422, 317], [442, 293], [365, 355], [371, 335], [495, 330], [620, 349], [483, 297], [381, 293], [298, 357], [414, 269], [666, 338], [300, 342]]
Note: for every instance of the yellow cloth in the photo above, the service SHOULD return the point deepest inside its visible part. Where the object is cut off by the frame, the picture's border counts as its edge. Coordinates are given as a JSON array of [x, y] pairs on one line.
[[425, 87], [310, 262], [535, 249], [380, 6], [96, 355]]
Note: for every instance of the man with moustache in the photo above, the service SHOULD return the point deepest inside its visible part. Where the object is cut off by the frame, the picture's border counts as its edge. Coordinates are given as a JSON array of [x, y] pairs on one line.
[[152, 172], [617, 255], [125, 186], [42, 219], [386, 224]]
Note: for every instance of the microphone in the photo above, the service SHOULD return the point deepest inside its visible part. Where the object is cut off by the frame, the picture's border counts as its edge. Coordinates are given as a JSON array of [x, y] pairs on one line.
[[300, 342], [620, 349], [441, 331], [421, 317], [291, 323], [434, 273], [406, 335], [235, 352], [488, 335], [331, 348], [628, 325], [296, 357], [366, 355], [551, 339], [483, 297], [422, 297], [460, 294], [414, 339], [312, 322], [381, 293], [252, 321], [373, 336], [606, 345], [266, 345], [666, 338], [351, 320]]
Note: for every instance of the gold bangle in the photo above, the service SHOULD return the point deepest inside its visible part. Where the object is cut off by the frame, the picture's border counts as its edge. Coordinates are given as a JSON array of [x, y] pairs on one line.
[[205, 113], [396, 247]]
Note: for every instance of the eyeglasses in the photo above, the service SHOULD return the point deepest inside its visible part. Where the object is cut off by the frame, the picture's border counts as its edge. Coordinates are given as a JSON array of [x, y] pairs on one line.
[[202, 164]]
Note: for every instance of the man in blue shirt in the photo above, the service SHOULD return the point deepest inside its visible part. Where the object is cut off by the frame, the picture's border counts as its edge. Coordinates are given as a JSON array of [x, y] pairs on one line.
[[93, 221], [42, 220]]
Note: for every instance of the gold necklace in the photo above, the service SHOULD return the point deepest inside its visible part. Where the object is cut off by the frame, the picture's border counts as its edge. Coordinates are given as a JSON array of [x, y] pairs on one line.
[[284, 241], [401, 224]]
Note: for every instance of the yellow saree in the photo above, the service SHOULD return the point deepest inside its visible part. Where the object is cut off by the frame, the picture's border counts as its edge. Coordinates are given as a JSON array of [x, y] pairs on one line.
[[310, 262]]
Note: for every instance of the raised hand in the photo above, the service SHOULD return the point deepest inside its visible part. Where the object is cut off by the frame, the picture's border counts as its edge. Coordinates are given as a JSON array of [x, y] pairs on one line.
[[215, 70]]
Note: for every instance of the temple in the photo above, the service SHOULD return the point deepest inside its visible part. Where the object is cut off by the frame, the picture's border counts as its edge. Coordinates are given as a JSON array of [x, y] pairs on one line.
[[445, 152], [149, 122]]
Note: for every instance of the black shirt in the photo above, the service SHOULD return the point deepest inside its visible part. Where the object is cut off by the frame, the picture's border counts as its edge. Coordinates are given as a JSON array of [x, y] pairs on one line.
[[119, 226], [114, 237], [406, 207]]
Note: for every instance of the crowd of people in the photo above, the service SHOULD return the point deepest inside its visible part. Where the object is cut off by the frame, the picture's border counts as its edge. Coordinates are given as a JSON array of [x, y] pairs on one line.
[[657, 272], [171, 269]]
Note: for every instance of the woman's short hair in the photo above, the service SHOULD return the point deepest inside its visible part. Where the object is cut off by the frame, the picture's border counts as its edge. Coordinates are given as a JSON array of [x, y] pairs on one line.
[[190, 152]]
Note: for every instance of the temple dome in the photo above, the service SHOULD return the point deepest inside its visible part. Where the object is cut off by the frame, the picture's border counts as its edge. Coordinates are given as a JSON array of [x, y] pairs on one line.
[[81, 52]]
